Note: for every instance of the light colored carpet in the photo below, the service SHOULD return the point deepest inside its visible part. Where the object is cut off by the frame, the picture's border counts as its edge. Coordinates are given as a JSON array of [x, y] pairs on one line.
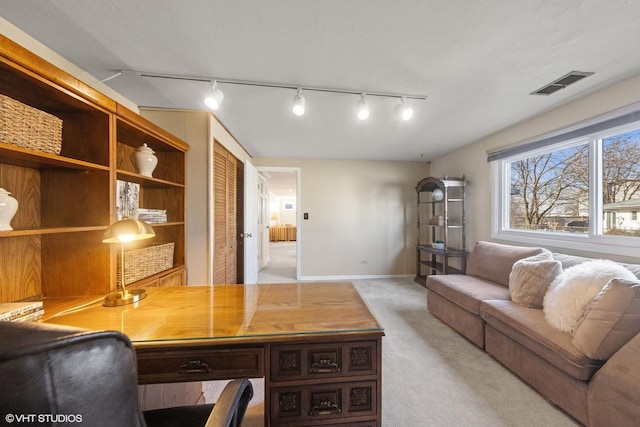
[[281, 267], [431, 375]]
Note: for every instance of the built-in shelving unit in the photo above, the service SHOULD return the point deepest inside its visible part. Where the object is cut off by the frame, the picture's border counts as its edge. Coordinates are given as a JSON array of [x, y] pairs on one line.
[[66, 201], [441, 247]]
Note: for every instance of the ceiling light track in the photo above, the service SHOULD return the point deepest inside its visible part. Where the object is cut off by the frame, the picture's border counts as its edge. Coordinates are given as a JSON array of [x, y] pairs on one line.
[[268, 84]]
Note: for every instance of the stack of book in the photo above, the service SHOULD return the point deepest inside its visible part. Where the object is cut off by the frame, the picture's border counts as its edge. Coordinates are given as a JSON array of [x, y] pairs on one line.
[[152, 216], [21, 311], [436, 220]]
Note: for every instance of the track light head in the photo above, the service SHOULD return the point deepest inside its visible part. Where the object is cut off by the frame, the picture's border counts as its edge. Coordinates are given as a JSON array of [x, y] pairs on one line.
[[362, 108], [214, 98], [298, 103], [403, 110]]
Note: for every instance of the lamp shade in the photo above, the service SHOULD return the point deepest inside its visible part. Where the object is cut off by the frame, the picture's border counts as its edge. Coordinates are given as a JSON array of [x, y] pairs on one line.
[[127, 230]]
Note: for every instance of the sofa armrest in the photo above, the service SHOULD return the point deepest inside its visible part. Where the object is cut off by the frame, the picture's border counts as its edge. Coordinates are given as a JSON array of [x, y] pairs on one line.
[[614, 391]]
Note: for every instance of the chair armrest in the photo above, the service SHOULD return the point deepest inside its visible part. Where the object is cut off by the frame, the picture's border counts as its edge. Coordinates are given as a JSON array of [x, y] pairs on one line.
[[232, 404], [228, 411], [614, 391]]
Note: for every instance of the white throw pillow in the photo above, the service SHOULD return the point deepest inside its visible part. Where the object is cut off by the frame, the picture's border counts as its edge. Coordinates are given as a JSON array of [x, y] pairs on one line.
[[530, 278], [571, 292]]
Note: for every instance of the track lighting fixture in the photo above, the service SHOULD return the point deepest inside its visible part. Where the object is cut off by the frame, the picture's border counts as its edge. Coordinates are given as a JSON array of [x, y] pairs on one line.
[[298, 103], [215, 97], [362, 108], [403, 110]]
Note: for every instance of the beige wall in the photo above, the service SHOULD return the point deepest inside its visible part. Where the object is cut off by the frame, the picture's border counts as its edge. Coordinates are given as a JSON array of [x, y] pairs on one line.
[[192, 128], [362, 213], [362, 216], [471, 160], [198, 129]]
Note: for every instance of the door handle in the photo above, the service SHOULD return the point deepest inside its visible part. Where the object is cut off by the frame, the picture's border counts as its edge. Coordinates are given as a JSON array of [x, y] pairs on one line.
[[246, 235]]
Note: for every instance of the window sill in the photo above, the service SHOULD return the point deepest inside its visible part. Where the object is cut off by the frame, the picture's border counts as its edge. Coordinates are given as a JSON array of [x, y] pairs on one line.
[[598, 245]]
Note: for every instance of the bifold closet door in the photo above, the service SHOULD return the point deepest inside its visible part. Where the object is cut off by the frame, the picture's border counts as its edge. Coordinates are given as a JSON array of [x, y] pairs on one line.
[[225, 216]]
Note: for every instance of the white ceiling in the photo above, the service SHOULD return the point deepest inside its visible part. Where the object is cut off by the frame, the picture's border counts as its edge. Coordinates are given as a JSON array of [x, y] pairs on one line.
[[281, 184], [476, 60]]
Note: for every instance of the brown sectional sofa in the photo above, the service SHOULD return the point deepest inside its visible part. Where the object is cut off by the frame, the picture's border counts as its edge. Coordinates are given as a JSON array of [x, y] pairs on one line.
[[478, 305]]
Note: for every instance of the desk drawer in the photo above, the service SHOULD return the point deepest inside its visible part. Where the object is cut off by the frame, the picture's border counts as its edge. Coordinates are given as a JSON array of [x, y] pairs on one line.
[[325, 404], [324, 360], [163, 366]]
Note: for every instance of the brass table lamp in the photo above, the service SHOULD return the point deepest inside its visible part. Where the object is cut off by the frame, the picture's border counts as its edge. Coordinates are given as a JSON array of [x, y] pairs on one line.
[[123, 231]]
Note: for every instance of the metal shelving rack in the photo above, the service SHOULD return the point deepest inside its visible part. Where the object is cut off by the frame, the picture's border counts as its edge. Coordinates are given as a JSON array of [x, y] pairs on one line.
[[441, 217]]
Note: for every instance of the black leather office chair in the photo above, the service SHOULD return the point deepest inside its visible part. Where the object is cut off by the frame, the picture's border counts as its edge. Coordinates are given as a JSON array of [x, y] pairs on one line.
[[53, 375]]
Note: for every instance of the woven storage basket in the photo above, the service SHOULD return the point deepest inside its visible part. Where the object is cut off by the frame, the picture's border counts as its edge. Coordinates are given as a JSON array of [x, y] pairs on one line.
[[28, 127], [141, 263]]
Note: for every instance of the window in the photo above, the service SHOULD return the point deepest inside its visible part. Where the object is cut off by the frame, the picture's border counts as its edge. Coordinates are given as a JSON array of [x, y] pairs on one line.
[[579, 191]]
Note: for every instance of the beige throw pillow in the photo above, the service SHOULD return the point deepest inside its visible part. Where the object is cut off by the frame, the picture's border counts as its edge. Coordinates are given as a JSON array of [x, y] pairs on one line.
[[611, 320], [530, 278]]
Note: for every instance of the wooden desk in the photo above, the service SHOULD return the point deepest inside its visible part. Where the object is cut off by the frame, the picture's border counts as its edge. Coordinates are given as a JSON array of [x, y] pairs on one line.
[[317, 345]]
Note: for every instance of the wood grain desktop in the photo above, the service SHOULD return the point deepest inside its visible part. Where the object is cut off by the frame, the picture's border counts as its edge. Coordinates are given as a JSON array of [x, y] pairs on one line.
[[317, 345]]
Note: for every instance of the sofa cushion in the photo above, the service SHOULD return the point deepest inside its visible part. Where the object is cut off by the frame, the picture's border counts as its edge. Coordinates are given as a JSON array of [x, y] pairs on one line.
[[466, 323], [466, 291], [528, 327], [493, 261], [611, 320], [530, 278], [573, 290]]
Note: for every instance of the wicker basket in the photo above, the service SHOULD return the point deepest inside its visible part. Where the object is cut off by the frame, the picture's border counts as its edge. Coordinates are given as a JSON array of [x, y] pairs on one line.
[[28, 127], [141, 263]]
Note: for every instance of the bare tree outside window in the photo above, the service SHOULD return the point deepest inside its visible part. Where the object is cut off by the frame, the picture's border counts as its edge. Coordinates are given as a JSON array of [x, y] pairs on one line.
[[548, 191], [551, 191], [621, 183]]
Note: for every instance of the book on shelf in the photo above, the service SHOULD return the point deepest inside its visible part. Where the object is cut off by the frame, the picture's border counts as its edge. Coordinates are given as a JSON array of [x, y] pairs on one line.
[[127, 200], [31, 317], [21, 311], [152, 216]]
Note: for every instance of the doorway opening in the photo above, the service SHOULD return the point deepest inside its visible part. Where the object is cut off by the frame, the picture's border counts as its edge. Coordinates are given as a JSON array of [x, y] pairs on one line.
[[280, 225]]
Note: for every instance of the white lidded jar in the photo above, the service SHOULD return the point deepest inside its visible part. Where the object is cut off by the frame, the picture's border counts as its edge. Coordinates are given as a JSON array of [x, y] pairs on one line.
[[8, 208], [144, 160]]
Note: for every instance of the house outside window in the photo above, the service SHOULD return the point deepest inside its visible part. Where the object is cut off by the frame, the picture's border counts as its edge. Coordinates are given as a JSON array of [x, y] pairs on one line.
[[578, 189]]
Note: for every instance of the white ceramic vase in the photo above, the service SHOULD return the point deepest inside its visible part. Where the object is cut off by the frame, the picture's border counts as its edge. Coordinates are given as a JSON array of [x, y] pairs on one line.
[[8, 208], [144, 160]]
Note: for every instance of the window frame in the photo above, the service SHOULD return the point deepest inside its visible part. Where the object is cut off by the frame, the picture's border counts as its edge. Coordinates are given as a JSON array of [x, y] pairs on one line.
[[592, 241]]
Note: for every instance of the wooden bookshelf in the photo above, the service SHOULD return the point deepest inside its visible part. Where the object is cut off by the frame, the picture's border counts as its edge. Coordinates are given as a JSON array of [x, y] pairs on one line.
[[66, 201]]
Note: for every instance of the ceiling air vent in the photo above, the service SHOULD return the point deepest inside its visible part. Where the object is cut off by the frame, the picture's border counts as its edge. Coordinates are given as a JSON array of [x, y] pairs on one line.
[[562, 82]]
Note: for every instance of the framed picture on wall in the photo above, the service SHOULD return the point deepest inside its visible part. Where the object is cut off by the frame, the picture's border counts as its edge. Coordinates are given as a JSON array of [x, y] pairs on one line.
[[288, 206]]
